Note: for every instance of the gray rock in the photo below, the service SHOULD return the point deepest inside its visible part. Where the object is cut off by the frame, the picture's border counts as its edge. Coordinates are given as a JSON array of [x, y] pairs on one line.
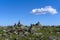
[[52, 38]]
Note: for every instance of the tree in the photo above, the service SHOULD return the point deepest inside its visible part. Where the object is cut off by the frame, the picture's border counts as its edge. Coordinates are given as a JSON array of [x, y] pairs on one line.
[[38, 24], [14, 24]]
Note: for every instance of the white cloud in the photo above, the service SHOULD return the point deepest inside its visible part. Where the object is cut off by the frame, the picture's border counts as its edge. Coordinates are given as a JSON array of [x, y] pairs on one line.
[[45, 10]]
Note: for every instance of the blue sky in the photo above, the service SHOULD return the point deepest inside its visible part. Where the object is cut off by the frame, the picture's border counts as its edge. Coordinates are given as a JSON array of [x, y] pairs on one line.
[[11, 11]]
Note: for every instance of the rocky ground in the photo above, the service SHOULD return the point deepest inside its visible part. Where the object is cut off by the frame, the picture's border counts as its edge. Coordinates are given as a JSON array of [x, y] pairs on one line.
[[32, 32]]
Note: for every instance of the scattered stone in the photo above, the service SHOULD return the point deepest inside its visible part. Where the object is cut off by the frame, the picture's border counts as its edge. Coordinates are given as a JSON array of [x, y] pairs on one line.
[[52, 38]]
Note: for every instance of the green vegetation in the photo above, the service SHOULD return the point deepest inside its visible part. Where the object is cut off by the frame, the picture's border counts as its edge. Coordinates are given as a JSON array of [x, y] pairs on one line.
[[32, 32]]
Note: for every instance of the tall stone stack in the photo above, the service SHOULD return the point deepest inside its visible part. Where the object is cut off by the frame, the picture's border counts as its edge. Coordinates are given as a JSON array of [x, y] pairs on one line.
[[19, 26]]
